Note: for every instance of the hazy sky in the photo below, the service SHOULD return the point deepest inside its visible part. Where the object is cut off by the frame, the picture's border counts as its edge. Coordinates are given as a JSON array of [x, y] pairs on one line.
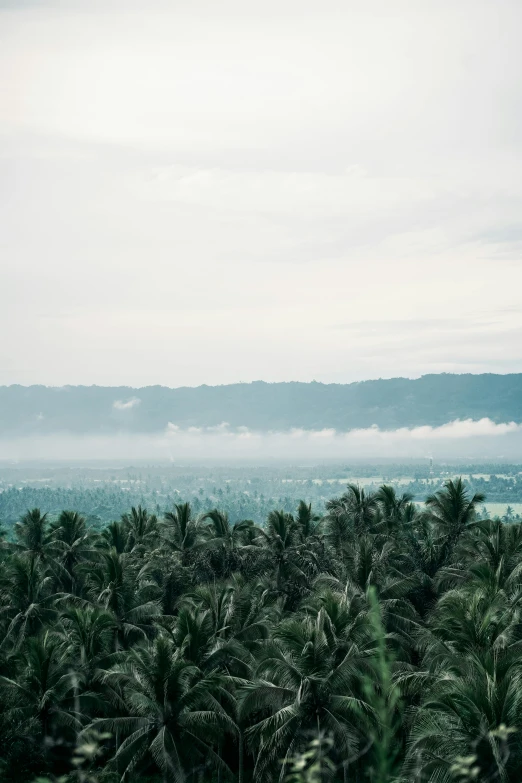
[[206, 192]]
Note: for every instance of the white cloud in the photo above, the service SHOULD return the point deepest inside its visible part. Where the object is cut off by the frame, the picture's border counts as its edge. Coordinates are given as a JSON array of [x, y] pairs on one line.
[[466, 428], [458, 430], [126, 405], [458, 439]]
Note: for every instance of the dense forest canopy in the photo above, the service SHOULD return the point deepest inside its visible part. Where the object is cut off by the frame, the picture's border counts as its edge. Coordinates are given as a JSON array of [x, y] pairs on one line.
[[103, 492], [376, 642], [389, 404]]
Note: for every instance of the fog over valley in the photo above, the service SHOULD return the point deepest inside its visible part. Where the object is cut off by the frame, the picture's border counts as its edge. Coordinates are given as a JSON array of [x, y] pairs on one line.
[[466, 439]]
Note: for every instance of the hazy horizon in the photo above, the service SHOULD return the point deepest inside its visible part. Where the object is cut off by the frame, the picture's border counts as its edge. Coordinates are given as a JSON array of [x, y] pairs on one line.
[[412, 377]]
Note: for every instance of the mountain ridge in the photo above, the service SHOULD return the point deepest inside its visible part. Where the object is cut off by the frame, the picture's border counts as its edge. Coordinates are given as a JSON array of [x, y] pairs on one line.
[[433, 400]]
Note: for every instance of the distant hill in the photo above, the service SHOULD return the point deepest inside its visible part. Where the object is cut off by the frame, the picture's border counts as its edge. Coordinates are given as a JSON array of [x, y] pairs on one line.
[[398, 402]]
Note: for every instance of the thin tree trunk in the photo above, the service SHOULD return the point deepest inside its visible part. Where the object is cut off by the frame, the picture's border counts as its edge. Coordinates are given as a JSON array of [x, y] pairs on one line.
[[241, 757], [319, 739]]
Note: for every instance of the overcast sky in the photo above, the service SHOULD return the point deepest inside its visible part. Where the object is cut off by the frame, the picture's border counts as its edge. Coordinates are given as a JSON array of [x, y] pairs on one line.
[[209, 192]]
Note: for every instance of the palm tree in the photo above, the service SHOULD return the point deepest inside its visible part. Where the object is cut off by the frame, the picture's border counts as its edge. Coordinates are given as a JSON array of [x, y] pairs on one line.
[[492, 559], [370, 565], [307, 523], [43, 691], [220, 531], [452, 512], [193, 634], [116, 586], [352, 514], [345, 618], [226, 548], [434, 538], [280, 539], [223, 626], [140, 527], [238, 609], [87, 635], [174, 714], [220, 528], [466, 697], [167, 580], [338, 527], [359, 507], [301, 689], [114, 536], [33, 536], [28, 602], [396, 510], [181, 532], [73, 545]]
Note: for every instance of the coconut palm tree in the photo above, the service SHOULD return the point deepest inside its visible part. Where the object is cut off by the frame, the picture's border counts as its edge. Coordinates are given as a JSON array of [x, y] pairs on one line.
[[114, 536], [221, 532], [43, 691], [306, 522], [224, 625], [27, 600], [87, 635], [73, 545], [396, 510], [452, 511], [174, 714], [345, 617], [193, 634], [117, 586], [359, 508], [140, 527], [181, 531], [465, 701], [33, 538], [491, 559], [238, 609], [224, 545], [292, 563], [302, 689]]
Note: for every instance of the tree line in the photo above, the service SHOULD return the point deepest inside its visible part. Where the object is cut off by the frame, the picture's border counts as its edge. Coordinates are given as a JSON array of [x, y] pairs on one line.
[[104, 504], [378, 642]]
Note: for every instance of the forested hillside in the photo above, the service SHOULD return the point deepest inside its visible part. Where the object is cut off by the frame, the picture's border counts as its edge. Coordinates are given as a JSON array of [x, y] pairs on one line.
[[399, 402], [378, 642]]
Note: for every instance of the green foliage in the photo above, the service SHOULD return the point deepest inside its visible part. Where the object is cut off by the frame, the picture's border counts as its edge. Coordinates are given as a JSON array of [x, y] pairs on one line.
[[379, 643], [314, 764], [383, 699]]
